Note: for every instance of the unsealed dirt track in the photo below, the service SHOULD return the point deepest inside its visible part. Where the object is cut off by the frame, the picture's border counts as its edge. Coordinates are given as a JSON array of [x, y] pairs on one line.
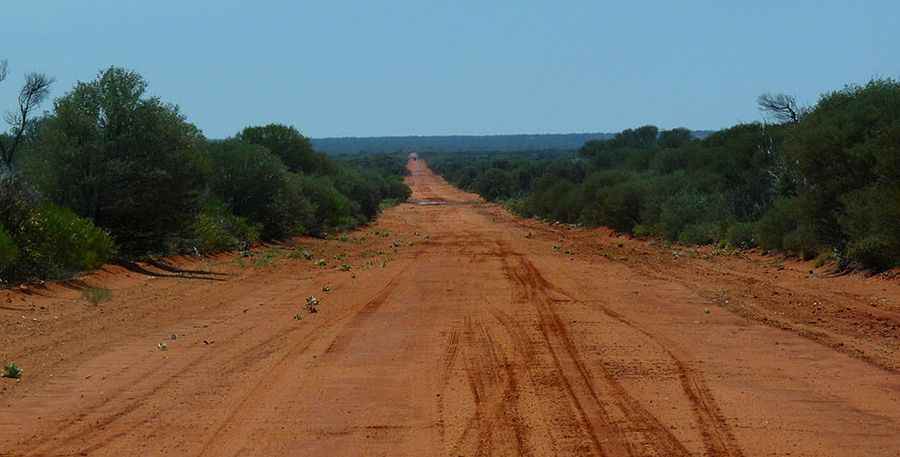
[[460, 331]]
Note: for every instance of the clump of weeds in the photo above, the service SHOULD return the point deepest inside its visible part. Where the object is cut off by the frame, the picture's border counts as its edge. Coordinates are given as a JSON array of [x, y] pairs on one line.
[[11, 371], [266, 258], [301, 253], [96, 295]]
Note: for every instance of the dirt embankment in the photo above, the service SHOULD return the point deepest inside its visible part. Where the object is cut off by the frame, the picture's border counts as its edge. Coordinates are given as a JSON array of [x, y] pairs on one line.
[[450, 327]]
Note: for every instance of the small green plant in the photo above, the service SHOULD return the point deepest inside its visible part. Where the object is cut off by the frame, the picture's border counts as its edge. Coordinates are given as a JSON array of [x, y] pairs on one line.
[[96, 295], [301, 253], [162, 346], [298, 317], [12, 371], [343, 238], [326, 289], [266, 258], [346, 267], [321, 263]]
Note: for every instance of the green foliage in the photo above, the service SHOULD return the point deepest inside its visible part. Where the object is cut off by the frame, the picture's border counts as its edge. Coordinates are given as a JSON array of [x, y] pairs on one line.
[[691, 217], [332, 208], [96, 295], [828, 182], [11, 371], [294, 149], [874, 252], [130, 163], [69, 242], [872, 224], [494, 184], [741, 235], [218, 229], [698, 234], [8, 250], [787, 226], [254, 184], [849, 142], [53, 242], [109, 156]]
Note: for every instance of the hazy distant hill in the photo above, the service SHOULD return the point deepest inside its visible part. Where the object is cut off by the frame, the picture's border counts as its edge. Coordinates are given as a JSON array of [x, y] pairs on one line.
[[451, 143], [456, 143]]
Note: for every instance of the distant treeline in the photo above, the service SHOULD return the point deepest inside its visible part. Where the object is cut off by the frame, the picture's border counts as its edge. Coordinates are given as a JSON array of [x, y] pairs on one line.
[[454, 143], [821, 181], [112, 173]]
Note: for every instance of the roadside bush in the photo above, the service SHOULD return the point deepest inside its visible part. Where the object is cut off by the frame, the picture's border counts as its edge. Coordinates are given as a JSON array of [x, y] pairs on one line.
[[495, 184], [787, 226], [294, 149], [695, 210], [697, 234], [56, 243], [8, 250], [872, 224], [294, 212], [333, 210], [643, 231], [130, 163], [396, 189], [218, 229], [777, 222], [874, 252], [802, 242], [254, 184], [68, 242], [741, 235], [618, 206]]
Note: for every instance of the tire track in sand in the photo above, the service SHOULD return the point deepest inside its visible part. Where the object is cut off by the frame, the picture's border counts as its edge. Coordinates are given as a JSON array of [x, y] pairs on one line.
[[717, 436], [580, 383], [494, 385], [266, 384]]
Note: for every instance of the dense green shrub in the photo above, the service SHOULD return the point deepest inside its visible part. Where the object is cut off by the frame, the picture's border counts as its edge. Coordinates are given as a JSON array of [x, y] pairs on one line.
[[874, 252], [8, 250], [73, 243], [130, 163], [294, 149], [494, 184], [698, 234], [827, 180], [333, 210], [254, 184], [695, 211], [218, 229], [872, 224], [54, 242], [741, 235], [133, 166]]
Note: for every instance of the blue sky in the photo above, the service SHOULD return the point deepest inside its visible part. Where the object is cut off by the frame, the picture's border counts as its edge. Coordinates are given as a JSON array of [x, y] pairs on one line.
[[358, 68]]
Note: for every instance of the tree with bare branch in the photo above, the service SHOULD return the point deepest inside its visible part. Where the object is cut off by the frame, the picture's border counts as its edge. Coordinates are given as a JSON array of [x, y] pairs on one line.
[[35, 90], [784, 108]]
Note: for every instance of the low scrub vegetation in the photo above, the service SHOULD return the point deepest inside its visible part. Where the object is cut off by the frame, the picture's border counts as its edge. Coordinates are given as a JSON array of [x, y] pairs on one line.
[[823, 179], [110, 172]]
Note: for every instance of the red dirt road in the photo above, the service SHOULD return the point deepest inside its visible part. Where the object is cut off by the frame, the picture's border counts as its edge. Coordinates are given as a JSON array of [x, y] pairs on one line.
[[459, 331]]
